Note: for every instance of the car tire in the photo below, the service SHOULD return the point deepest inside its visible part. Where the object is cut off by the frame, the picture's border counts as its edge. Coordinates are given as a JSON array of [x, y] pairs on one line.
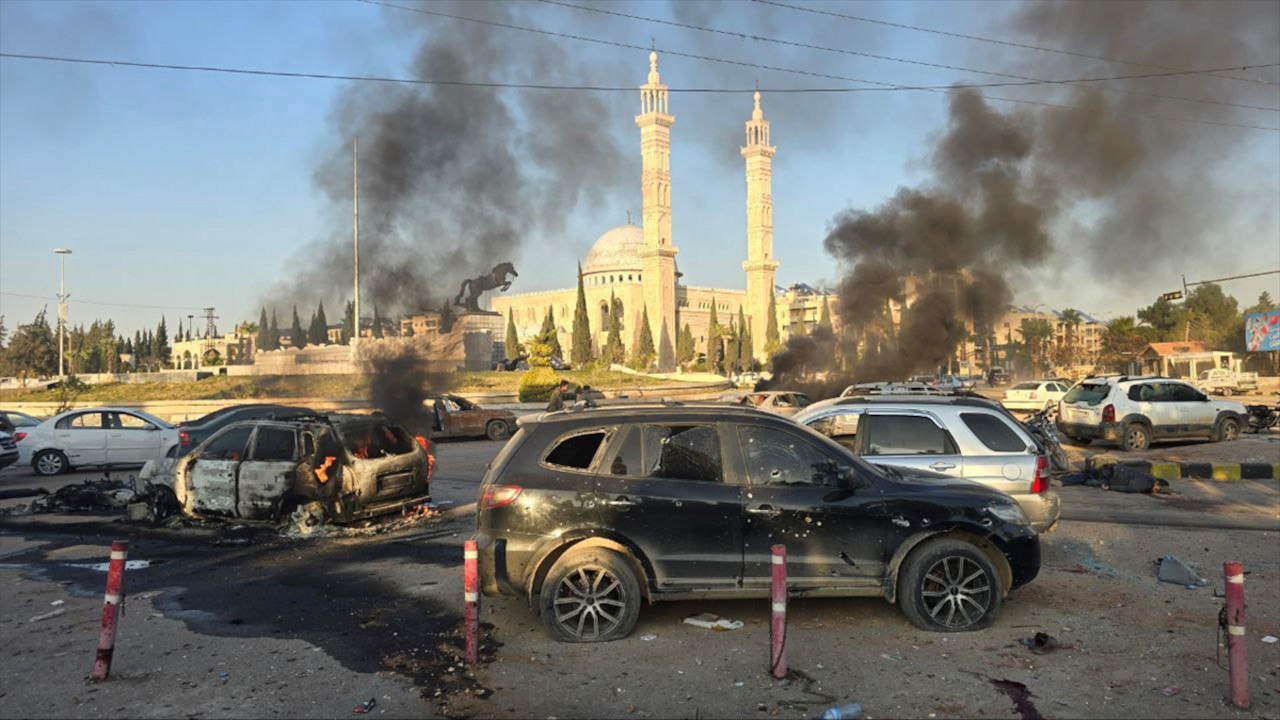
[[949, 586], [497, 430], [597, 588], [50, 462], [1135, 438], [1228, 430], [1225, 392]]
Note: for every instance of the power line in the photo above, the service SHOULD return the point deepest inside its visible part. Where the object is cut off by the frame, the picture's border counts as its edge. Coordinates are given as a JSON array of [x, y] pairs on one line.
[[96, 302], [874, 56], [993, 40], [950, 90]]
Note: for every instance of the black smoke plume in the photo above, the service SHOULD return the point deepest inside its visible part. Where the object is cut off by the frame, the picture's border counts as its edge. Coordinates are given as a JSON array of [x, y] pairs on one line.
[[400, 383]]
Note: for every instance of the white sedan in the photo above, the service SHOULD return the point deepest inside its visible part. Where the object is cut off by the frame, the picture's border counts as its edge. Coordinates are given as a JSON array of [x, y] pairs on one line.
[[1035, 395], [95, 437]]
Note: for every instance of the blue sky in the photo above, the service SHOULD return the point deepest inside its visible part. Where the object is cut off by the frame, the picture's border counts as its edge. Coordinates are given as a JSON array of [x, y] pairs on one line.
[[178, 190]]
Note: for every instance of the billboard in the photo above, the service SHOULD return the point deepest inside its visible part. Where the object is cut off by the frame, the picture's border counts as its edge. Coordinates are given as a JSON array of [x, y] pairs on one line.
[[1262, 331]]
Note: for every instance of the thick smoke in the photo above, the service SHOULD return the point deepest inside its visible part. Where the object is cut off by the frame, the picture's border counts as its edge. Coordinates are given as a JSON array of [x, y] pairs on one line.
[[454, 180], [1134, 194], [400, 382]]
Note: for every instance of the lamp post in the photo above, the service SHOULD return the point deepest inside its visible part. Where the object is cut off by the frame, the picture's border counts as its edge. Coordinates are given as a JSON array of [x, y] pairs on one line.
[[62, 310]]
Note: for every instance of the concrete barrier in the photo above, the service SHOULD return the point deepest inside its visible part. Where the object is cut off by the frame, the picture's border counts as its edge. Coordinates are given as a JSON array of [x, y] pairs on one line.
[[1194, 470]]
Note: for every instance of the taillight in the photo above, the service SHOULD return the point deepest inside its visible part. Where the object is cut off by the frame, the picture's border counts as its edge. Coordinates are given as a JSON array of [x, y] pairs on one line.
[[17, 437], [1035, 395], [1040, 482], [1109, 413], [184, 437], [495, 496]]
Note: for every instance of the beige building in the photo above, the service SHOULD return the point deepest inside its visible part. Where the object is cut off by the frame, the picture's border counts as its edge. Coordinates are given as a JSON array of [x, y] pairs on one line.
[[636, 265], [230, 349]]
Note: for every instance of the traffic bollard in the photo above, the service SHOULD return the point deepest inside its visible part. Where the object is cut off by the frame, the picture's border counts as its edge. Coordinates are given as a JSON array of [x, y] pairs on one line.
[[1236, 658], [471, 594], [110, 610], [778, 625]]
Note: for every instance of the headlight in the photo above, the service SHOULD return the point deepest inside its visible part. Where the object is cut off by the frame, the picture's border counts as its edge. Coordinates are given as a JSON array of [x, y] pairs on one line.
[[1008, 512]]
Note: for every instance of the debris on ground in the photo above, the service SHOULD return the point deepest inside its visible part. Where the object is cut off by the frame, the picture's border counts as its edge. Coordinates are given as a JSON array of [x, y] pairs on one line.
[[1041, 643], [650, 636], [711, 621], [104, 494], [1171, 690], [1173, 570], [843, 712], [1021, 698], [50, 614], [1269, 639], [1120, 478]]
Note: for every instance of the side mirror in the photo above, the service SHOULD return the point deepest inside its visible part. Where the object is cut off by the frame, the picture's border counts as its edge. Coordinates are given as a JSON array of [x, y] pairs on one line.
[[849, 478]]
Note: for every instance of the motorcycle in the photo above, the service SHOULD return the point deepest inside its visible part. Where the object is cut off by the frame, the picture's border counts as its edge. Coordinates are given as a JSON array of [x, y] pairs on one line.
[[1262, 417], [1043, 431]]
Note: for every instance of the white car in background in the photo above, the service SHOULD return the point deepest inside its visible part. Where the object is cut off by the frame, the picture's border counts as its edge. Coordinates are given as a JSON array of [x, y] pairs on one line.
[[95, 437], [1035, 395]]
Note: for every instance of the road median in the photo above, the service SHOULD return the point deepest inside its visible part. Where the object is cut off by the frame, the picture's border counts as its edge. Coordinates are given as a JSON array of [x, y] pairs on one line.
[[1219, 471]]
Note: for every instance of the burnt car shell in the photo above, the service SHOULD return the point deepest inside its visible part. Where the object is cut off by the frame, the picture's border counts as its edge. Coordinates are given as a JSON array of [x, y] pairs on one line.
[[356, 467], [456, 416]]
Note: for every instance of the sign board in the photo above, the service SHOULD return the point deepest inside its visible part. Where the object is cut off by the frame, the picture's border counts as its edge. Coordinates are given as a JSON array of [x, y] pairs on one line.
[[1262, 331]]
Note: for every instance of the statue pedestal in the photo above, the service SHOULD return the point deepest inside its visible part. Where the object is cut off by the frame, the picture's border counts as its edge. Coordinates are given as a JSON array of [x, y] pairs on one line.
[[480, 331]]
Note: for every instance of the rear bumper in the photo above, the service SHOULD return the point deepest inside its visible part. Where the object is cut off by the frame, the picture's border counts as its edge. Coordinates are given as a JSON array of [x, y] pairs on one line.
[[8, 459], [1109, 432], [386, 507], [1042, 509], [504, 562]]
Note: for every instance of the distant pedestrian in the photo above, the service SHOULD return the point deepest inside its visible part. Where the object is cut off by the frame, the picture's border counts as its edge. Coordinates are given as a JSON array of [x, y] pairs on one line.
[[557, 396]]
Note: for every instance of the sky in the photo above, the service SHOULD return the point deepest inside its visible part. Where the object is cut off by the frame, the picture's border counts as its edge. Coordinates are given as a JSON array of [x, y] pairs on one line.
[[178, 191]]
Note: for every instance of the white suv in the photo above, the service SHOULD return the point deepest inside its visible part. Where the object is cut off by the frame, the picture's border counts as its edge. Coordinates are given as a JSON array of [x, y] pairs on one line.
[[1134, 411]]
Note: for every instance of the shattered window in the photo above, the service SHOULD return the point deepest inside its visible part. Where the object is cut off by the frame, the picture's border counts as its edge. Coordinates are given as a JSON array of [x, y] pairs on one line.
[[230, 445], [905, 435], [775, 457], [842, 428], [578, 451], [993, 432], [627, 460], [683, 452], [376, 440], [273, 444]]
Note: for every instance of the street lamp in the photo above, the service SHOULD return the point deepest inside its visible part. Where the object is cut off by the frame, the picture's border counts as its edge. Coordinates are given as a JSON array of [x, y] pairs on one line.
[[62, 310]]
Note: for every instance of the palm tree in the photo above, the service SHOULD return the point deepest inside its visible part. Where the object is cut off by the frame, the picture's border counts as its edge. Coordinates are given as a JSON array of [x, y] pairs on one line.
[[1071, 319], [1036, 334]]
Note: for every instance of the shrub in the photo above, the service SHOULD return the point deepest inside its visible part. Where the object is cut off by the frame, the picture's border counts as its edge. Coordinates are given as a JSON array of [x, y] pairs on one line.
[[537, 383]]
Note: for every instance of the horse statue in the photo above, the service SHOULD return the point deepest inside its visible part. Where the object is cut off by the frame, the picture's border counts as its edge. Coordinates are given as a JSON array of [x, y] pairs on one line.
[[473, 288]]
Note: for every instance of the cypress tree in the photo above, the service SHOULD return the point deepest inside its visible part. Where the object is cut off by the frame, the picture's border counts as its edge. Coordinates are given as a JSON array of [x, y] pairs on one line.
[[644, 352], [264, 331], [297, 336], [377, 322], [824, 320], [614, 350], [319, 334], [275, 332], [513, 338], [581, 326], [160, 345], [552, 334], [745, 350], [772, 341], [686, 348]]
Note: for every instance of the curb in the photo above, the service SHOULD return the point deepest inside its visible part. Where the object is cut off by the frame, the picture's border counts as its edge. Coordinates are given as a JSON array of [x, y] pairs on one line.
[[1195, 470]]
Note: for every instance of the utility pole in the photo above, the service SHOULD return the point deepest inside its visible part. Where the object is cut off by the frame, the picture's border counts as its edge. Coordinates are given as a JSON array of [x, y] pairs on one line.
[[355, 221], [210, 329], [62, 311]]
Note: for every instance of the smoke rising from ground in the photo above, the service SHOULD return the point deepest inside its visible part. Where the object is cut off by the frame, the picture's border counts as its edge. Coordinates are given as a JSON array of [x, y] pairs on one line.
[[399, 383]]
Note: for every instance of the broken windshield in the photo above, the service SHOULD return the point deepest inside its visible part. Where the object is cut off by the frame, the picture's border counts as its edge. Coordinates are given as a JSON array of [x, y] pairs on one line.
[[375, 440]]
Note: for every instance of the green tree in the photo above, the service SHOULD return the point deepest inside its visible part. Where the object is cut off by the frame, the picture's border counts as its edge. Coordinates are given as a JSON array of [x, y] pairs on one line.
[[1070, 319], [377, 323], [715, 341], [1036, 333], [642, 356], [264, 331], [552, 333], [33, 350], [1123, 342], [1211, 316], [297, 336], [582, 351], [540, 348], [275, 332], [1165, 317], [732, 348], [614, 351], [512, 344], [348, 323], [772, 340], [1264, 304], [319, 332], [160, 350], [686, 348]]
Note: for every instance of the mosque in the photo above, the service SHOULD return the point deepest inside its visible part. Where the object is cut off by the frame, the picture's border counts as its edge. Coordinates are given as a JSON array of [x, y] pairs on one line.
[[636, 265]]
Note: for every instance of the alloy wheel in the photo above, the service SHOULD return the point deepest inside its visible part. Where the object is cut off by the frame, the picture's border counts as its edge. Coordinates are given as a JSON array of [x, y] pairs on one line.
[[956, 592], [589, 603], [1230, 431]]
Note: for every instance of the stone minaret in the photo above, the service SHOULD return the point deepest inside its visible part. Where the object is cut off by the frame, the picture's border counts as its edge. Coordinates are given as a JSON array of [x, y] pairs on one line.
[[760, 265], [658, 254]]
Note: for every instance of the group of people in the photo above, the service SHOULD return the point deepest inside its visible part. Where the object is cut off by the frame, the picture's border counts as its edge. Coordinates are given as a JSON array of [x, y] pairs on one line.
[[562, 392]]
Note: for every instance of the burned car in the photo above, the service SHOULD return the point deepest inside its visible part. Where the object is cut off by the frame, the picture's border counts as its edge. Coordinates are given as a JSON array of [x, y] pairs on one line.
[[346, 467], [458, 417]]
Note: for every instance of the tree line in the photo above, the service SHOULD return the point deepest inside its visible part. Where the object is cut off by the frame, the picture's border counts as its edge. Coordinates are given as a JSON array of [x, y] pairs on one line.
[[31, 351]]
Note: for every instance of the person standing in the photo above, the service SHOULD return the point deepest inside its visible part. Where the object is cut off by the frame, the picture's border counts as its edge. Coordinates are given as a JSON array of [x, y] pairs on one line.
[[557, 396]]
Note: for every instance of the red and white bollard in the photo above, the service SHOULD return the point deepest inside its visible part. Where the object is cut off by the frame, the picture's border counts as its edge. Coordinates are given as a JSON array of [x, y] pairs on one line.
[[1236, 658], [778, 625], [110, 610], [471, 594]]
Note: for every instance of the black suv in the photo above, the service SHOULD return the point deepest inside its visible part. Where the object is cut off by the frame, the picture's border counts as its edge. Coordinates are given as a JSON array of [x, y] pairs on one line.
[[589, 512]]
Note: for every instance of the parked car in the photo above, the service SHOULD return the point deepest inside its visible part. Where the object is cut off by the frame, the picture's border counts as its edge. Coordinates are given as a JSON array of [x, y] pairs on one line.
[[95, 437], [344, 467], [8, 450], [194, 432], [1225, 382], [926, 379], [456, 416], [955, 383], [1035, 395], [779, 402], [589, 514], [966, 437], [999, 375], [1133, 412], [13, 422]]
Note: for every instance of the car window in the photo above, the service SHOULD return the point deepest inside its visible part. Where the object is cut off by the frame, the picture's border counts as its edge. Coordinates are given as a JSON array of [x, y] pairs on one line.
[[803, 401], [230, 445], [1058, 387], [1025, 386], [375, 440], [1184, 393], [83, 421], [1088, 393], [776, 457], [683, 452], [578, 451], [843, 428], [450, 406], [125, 421], [905, 435], [627, 461], [1151, 392], [273, 444], [994, 432]]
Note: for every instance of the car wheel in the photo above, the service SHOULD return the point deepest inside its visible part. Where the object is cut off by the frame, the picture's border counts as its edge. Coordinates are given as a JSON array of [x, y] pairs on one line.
[[1228, 430], [497, 430], [1225, 392], [1136, 437], [50, 462], [590, 596], [949, 586]]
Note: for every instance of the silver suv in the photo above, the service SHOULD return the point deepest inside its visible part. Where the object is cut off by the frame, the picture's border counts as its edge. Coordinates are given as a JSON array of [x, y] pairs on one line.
[[965, 437], [1134, 411]]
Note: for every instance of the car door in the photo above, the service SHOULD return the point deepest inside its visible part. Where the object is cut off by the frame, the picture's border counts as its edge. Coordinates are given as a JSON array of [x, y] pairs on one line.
[[912, 439], [209, 487], [1154, 400], [265, 478], [83, 438], [1196, 414], [464, 419], [834, 533], [664, 488], [131, 439]]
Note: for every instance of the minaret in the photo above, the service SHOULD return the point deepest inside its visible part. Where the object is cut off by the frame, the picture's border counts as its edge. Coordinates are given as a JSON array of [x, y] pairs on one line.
[[658, 254], [760, 264]]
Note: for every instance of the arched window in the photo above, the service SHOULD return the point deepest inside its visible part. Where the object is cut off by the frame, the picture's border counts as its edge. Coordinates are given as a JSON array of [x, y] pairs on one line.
[[604, 315]]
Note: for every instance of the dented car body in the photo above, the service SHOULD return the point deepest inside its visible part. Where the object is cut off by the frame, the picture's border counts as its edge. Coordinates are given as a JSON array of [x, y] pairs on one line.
[[350, 467]]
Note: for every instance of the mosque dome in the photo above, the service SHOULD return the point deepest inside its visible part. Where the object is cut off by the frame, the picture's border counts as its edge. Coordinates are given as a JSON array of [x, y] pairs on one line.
[[618, 249]]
